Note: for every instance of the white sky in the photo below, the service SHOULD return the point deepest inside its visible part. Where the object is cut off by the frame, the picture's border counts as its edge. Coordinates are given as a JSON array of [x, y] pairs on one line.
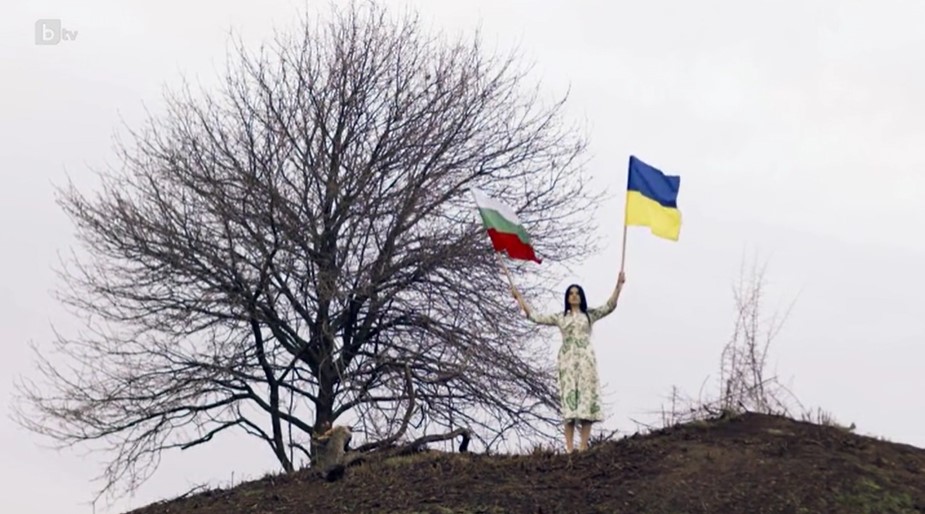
[[796, 127]]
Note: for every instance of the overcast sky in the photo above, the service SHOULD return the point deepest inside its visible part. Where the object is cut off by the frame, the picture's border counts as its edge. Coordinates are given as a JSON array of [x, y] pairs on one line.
[[796, 126]]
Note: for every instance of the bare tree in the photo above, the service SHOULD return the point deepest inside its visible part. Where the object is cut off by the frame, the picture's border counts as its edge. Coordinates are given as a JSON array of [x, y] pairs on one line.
[[300, 247]]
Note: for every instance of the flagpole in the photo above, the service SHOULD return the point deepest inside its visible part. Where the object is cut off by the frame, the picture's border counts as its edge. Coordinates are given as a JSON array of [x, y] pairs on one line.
[[504, 267], [623, 258], [626, 211]]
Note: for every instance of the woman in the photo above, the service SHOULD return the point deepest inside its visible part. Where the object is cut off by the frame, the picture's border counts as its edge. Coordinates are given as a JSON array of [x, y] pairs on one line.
[[579, 389]]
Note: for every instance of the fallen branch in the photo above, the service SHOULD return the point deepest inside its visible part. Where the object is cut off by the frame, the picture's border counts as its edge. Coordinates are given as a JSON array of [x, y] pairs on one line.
[[411, 448], [389, 441]]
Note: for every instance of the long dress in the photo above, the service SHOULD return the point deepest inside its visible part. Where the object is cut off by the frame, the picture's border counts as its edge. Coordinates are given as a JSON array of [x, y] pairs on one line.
[[579, 386]]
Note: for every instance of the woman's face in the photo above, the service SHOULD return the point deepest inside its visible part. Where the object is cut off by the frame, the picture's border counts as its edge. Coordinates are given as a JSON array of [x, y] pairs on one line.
[[573, 298]]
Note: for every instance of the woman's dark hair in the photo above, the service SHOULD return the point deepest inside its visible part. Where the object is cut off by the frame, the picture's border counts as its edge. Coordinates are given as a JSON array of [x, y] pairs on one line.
[[582, 301]]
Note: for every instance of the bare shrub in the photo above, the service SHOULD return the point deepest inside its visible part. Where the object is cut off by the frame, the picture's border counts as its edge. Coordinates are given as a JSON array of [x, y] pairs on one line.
[[745, 384]]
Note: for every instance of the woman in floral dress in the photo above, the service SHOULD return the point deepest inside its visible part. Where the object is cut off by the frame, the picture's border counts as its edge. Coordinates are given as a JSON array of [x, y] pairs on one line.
[[579, 386]]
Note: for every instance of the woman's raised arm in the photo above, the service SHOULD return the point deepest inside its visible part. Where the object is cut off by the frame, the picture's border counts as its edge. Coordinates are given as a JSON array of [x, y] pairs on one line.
[[599, 312], [541, 319]]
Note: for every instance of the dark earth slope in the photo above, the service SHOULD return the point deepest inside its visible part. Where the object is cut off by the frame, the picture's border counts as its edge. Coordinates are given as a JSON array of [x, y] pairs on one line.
[[746, 464]]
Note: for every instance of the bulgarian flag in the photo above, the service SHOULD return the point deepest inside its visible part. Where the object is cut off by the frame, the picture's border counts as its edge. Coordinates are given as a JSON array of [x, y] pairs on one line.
[[505, 229]]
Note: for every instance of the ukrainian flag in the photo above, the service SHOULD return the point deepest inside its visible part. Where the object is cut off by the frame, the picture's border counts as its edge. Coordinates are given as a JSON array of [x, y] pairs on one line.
[[652, 200]]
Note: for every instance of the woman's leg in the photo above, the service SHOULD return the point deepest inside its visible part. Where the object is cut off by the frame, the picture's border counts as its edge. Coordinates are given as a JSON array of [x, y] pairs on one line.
[[569, 435], [585, 434]]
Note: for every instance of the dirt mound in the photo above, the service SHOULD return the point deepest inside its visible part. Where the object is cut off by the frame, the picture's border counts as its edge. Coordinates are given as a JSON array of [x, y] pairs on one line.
[[746, 464]]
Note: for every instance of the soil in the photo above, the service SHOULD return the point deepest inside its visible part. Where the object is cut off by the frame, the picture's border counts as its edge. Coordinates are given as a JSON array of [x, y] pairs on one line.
[[751, 464]]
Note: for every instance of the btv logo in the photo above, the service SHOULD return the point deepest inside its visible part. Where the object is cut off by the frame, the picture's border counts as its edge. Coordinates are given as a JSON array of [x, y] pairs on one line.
[[50, 32]]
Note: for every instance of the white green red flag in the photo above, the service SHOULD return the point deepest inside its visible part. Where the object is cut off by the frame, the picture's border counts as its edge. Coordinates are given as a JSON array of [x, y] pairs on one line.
[[505, 229]]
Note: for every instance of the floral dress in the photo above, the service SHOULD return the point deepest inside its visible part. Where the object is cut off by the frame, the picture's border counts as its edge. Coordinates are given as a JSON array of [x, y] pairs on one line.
[[579, 386]]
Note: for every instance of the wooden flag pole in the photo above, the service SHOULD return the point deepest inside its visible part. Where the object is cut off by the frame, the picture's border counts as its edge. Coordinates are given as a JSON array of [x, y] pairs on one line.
[[626, 211], [510, 280], [507, 272], [504, 267], [623, 258]]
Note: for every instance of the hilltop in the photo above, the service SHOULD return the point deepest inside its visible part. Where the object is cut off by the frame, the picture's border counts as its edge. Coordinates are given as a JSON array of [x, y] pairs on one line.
[[751, 463]]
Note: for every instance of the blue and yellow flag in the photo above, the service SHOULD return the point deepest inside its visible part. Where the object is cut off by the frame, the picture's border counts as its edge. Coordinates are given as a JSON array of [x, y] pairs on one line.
[[652, 200]]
